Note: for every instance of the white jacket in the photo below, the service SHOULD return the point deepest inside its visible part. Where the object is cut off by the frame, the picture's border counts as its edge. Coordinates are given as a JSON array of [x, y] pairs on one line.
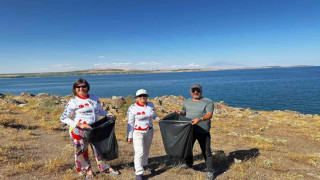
[[86, 110], [140, 117]]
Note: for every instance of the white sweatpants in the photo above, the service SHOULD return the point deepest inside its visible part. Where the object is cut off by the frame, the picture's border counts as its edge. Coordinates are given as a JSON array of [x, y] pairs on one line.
[[141, 144]]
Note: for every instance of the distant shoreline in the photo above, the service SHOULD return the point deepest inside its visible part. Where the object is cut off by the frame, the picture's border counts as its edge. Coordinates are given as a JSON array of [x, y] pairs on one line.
[[128, 71]]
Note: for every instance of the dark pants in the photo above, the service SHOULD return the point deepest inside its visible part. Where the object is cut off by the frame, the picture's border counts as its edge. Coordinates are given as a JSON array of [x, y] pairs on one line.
[[204, 141]]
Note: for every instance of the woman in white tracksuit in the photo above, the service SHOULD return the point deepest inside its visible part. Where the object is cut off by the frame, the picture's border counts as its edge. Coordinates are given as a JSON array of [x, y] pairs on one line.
[[140, 131], [86, 109]]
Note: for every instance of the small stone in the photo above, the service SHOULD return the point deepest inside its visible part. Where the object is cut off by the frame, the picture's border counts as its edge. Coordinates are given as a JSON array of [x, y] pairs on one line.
[[237, 161], [268, 163], [233, 134]]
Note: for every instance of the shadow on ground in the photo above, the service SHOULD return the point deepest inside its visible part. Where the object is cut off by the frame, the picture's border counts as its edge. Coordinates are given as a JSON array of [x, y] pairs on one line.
[[18, 126], [221, 161]]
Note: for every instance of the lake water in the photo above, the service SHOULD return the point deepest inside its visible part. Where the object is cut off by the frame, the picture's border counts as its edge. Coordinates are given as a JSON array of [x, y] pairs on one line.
[[296, 89]]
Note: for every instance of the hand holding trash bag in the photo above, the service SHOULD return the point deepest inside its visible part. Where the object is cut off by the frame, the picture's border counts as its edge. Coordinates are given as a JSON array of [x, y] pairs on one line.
[[195, 121], [84, 126], [158, 119]]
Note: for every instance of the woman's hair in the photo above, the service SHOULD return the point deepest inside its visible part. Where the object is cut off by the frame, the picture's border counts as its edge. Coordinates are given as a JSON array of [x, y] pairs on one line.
[[77, 82]]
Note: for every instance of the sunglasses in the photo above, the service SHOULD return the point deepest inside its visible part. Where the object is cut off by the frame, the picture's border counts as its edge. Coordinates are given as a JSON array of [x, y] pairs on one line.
[[195, 89], [143, 95], [78, 87]]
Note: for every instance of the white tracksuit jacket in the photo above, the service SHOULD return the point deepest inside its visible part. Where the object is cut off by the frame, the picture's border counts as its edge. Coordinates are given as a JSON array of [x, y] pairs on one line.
[[86, 110], [140, 117]]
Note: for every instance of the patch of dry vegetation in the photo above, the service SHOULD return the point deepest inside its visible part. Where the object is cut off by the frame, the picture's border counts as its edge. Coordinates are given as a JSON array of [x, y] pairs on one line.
[[247, 144]]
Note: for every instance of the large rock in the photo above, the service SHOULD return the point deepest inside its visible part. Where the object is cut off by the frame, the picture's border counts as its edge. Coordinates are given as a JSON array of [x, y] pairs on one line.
[[42, 95], [49, 100], [13, 101], [2, 96], [24, 94], [119, 102], [219, 107]]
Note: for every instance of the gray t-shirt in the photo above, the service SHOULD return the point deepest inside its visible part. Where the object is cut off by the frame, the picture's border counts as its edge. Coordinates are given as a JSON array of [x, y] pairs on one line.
[[197, 109]]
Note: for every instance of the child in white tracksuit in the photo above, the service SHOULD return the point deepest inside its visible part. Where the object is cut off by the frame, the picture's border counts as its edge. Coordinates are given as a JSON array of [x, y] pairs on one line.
[[140, 130]]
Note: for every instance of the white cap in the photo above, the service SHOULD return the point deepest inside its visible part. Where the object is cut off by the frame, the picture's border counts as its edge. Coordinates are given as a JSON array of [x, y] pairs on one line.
[[141, 91]]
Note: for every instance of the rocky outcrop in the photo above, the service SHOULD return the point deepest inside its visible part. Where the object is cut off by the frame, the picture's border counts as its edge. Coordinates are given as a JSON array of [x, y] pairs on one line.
[[46, 99], [219, 107], [24, 94], [42, 95], [14, 101], [119, 102], [164, 105], [2, 96], [167, 104]]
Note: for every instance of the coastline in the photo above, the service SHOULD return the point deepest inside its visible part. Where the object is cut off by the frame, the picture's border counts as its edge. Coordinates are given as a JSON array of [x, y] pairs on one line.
[[110, 71]]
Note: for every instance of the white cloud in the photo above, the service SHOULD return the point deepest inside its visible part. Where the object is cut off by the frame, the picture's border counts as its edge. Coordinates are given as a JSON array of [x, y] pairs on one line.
[[111, 65], [62, 67], [101, 57], [189, 66], [193, 65], [150, 63]]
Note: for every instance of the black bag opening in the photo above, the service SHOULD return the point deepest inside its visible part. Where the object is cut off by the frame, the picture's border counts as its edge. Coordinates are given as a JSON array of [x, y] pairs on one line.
[[177, 134], [103, 137]]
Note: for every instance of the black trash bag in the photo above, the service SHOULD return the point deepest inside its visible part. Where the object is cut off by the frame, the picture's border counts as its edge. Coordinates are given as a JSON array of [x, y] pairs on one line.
[[177, 134], [103, 137]]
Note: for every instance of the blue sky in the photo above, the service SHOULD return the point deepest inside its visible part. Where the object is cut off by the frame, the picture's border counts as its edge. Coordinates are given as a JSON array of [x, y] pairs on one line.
[[56, 35]]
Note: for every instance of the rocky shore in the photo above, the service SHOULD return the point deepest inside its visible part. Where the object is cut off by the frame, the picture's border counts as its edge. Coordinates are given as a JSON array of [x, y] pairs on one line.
[[164, 104]]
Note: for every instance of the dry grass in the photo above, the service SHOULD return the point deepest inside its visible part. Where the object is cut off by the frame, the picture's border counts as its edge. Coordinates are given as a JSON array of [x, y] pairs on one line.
[[309, 159], [33, 144]]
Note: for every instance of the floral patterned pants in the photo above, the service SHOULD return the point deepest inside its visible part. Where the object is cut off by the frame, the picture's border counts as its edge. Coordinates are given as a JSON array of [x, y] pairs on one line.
[[81, 146]]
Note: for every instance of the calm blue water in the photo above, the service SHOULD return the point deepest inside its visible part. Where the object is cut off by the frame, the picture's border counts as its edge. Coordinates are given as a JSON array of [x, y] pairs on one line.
[[295, 89]]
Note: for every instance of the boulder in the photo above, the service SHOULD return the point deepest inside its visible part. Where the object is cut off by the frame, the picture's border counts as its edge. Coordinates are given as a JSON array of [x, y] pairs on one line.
[[2, 96], [49, 100], [13, 101], [119, 102], [24, 94], [42, 95], [219, 107]]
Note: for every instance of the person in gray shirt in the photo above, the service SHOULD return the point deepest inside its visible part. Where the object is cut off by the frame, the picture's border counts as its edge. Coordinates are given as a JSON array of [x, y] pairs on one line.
[[200, 110]]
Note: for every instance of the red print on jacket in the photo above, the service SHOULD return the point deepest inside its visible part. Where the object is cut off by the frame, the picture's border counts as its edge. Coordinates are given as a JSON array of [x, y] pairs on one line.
[[143, 113], [81, 106], [141, 129], [86, 104], [139, 113]]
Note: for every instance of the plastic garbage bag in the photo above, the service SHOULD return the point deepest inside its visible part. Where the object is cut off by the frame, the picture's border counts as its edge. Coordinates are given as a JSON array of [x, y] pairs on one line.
[[102, 136], [177, 133]]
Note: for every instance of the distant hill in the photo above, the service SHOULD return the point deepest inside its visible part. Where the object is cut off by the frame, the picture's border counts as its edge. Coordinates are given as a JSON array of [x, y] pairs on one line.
[[225, 65], [210, 67]]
